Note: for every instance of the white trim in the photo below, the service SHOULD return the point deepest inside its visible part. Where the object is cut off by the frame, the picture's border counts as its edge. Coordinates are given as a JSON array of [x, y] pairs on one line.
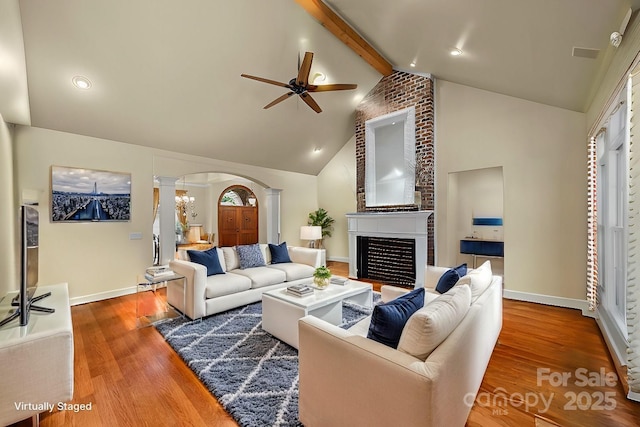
[[577, 304], [616, 343], [339, 259], [102, 296], [633, 396]]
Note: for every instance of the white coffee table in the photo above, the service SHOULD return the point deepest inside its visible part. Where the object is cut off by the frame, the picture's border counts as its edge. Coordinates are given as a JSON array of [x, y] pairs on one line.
[[281, 310]]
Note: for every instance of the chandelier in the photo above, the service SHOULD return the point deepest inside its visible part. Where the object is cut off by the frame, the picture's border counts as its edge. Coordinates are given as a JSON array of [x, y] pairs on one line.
[[186, 203]]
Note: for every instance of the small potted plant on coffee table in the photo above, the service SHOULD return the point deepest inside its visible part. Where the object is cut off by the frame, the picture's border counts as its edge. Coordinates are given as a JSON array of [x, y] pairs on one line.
[[321, 277]]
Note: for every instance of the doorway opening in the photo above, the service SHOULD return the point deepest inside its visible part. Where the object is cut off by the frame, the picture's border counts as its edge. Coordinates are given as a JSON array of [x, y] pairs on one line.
[[237, 216]]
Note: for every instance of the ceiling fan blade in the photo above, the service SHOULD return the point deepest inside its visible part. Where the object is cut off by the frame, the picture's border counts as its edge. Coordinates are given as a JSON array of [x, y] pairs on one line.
[[278, 100], [326, 88], [310, 102], [260, 79], [305, 68]]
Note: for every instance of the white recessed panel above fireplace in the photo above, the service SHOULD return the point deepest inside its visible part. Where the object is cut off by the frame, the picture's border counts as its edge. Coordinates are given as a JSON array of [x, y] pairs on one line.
[[390, 158]]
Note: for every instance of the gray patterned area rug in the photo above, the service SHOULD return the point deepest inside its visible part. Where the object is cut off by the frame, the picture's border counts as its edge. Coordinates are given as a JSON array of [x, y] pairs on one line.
[[252, 374]]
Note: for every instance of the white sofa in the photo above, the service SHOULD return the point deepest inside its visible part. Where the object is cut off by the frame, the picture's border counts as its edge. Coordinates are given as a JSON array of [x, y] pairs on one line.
[[348, 379], [207, 295]]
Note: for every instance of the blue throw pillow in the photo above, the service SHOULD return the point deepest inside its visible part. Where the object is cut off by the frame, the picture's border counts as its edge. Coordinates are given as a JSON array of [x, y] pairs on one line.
[[209, 259], [388, 320], [450, 278], [447, 280], [461, 269], [279, 253], [250, 256]]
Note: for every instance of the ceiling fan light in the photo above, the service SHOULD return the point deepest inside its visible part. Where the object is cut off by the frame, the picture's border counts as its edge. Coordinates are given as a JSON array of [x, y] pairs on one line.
[[318, 77]]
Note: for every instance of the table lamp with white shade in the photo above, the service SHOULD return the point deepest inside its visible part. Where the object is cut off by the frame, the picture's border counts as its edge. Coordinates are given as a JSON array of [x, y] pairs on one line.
[[311, 233]]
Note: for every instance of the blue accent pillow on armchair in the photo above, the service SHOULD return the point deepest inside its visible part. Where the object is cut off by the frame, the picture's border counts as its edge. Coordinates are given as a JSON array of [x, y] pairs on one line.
[[209, 259], [450, 278], [388, 320], [279, 253]]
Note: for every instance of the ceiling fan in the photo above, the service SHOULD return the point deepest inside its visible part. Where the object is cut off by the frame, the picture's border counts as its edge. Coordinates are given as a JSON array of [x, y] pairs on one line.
[[299, 85]]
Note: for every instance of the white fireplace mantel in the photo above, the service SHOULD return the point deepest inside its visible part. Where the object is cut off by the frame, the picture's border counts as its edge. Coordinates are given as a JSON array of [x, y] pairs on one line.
[[399, 225]]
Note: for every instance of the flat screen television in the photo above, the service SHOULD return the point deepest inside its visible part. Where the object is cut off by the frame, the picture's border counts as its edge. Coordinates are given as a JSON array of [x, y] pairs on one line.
[[29, 245]]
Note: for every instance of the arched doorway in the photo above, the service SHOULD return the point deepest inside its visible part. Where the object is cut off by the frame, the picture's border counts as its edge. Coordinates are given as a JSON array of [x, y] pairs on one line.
[[237, 216]]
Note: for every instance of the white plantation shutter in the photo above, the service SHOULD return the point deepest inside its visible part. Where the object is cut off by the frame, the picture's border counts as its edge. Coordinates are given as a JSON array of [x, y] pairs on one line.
[[592, 227], [633, 270]]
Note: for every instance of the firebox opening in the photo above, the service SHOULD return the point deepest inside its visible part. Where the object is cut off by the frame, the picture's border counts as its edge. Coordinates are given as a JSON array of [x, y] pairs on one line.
[[388, 260]]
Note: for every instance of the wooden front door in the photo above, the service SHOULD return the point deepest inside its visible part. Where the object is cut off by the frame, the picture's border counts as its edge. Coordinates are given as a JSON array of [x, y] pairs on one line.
[[237, 225]]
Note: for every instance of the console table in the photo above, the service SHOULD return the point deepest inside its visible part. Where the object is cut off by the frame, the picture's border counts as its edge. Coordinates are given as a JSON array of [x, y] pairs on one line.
[[483, 248], [36, 360], [197, 246]]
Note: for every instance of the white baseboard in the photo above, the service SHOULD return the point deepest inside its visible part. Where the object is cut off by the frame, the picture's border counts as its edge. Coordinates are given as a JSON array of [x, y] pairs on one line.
[[338, 259], [102, 296], [615, 341], [548, 300]]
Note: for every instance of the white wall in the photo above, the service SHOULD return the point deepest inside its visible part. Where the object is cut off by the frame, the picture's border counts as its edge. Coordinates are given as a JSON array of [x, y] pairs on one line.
[[337, 194], [9, 213], [542, 151], [97, 259]]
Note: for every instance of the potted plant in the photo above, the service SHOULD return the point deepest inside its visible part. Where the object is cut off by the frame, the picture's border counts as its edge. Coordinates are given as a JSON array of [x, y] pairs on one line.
[[321, 218], [321, 277]]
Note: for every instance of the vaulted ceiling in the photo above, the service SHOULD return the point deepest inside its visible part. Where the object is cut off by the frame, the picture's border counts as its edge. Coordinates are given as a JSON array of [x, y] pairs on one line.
[[166, 74]]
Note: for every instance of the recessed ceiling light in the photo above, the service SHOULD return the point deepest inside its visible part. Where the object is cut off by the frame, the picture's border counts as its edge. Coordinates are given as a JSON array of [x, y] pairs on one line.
[[455, 52], [81, 82], [317, 150], [413, 64]]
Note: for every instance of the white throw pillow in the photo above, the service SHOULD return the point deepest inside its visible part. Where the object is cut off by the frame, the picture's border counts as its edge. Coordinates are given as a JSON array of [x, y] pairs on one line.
[[428, 327], [478, 279], [231, 259]]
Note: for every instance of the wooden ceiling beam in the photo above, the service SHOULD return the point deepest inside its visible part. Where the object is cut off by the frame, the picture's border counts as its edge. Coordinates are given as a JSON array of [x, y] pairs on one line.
[[343, 31]]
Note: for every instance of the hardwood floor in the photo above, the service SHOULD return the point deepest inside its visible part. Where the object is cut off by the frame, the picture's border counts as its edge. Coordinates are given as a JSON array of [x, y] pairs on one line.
[[131, 377]]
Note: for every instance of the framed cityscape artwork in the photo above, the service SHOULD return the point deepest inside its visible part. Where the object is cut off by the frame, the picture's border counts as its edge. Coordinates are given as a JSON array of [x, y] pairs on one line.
[[86, 195]]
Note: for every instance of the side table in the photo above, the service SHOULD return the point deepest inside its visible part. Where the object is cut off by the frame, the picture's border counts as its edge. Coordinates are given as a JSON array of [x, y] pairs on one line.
[[150, 305]]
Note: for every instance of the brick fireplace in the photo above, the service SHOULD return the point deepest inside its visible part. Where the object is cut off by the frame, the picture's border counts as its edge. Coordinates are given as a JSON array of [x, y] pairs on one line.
[[390, 226], [395, 92]]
